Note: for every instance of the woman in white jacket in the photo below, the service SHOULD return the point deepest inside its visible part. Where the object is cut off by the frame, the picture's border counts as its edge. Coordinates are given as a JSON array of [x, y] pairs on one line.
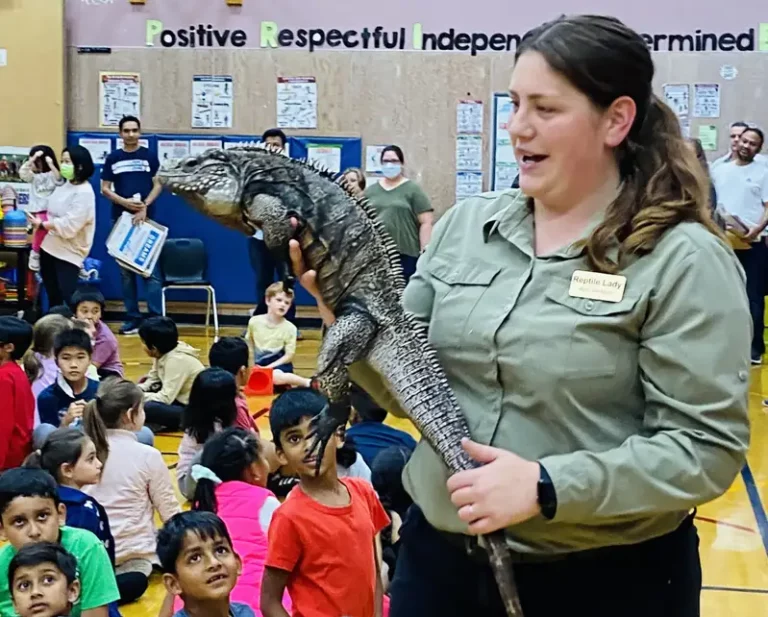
[[71, 224]]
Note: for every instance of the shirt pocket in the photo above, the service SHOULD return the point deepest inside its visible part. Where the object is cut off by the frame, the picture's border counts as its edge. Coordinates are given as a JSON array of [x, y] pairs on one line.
[[459, 288], [594, 337]]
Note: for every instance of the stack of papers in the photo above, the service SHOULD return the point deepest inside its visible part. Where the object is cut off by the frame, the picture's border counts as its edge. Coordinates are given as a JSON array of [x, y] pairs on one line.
[[136, 247]]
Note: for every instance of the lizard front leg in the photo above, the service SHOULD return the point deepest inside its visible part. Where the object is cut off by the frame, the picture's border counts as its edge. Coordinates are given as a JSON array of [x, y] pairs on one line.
[[345, 342]]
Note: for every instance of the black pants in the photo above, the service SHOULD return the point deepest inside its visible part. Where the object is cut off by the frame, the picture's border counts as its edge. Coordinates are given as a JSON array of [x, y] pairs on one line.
[[409, 265], [162, 414], [105, 373], [59, 278], [131, 586], [754, 262], [660, 577], [265, 268]]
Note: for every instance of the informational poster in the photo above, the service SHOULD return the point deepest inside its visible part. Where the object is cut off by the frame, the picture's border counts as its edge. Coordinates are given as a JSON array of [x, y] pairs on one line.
[[212, 101], [198, 146], [729, 72], [373, 159], [170, 151], [119, 95], [469, 117], [99, 148], [325, 156], [469, 153], [468, 183], [228, 145], [677, 96], [12, 190], [708, 136], [3, 57], [706, 100], [504, 167], [296, 103], [142, 142]]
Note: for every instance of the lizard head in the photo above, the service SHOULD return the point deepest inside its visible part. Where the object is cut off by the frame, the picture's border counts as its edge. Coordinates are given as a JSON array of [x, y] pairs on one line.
[[212, 183]]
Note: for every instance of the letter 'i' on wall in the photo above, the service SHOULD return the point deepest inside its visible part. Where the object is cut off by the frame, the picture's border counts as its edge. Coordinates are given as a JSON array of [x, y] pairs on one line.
[[762, 41]]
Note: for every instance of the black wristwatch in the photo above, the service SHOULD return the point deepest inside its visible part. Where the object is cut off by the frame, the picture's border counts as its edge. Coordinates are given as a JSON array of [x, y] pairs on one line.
[[546, 494]]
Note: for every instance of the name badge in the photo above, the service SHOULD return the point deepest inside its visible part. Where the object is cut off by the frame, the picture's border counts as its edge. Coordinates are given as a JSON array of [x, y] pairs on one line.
[[597, 286]]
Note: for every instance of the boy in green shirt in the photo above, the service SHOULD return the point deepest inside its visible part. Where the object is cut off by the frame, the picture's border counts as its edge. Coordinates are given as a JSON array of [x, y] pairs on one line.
[[30, 512]]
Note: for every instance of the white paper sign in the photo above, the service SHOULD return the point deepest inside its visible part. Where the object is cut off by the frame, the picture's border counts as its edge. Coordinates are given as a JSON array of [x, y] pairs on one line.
[[119, 95], [198, 146], [469, 153], [706, 100], [677, 97], [170, 151], [137, 247], [98, 147], [3, 57], [328, 157], [212, 101], [504, 164], [468, 183], [469, 117], [373, 158], [728, 72], [296, 103]]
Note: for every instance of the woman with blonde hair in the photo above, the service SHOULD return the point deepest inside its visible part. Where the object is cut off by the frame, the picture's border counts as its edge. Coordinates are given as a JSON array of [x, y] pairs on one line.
[[595, 330]]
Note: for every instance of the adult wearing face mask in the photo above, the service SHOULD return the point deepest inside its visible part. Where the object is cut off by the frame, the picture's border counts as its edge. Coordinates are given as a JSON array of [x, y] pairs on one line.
[[403, 208], [71, 224]]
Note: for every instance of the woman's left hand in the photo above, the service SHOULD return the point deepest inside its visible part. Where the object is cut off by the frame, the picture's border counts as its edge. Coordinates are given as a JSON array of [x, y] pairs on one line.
[[503, 492], [35, 221]]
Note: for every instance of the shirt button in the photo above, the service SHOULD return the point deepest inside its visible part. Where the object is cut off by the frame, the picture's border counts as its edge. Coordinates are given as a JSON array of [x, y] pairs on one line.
[[743, 375], [589, 305]]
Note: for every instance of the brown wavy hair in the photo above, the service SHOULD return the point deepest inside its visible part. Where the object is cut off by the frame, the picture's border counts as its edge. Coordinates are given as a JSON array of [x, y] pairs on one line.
[[662, 182]]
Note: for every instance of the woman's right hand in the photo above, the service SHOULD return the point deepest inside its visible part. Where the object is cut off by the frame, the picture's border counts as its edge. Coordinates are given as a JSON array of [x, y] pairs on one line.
[[308, 278]]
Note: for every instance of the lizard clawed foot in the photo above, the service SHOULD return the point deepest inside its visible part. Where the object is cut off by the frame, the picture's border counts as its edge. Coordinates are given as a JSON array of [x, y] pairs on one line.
[[323, 427]]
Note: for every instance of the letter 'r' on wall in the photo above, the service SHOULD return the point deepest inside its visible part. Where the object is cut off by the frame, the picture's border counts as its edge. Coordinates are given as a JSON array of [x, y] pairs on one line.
[[269, 34]]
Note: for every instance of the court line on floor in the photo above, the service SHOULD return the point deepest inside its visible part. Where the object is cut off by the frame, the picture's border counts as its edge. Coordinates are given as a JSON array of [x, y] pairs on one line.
[[757, 504], [706, 519], [737, 589]]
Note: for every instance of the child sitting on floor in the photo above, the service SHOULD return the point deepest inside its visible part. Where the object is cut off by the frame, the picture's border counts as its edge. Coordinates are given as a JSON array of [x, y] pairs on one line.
[[31, 512], [89, 306], [271, 336], [211, 408], [135, 481], [230, 483], [169, 383], [43, 580], [322, 539], [16, 399], [70, 457], [185, 544]]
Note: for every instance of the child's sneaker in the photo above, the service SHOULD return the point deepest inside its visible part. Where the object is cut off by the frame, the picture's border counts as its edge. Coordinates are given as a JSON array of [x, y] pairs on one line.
[[34, 262]]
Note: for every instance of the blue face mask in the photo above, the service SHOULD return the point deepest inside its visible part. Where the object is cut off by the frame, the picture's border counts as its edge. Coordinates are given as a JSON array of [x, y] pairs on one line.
[[391, 170]]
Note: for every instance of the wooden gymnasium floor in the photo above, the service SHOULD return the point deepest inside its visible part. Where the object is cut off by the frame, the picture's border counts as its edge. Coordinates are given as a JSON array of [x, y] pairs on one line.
[[733, 529]]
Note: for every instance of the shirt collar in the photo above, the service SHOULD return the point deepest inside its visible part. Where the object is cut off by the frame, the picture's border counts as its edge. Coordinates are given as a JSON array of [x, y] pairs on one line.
[[515, 224]]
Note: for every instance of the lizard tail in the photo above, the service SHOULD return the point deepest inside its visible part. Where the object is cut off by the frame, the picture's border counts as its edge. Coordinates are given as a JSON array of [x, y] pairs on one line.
[[501, 564]]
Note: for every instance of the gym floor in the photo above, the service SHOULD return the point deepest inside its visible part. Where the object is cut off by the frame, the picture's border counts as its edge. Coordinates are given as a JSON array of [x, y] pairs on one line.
[[733, 529]]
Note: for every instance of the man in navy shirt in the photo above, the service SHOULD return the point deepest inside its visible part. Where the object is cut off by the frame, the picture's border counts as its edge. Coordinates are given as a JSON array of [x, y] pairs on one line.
[[368, 431], [128, 180]]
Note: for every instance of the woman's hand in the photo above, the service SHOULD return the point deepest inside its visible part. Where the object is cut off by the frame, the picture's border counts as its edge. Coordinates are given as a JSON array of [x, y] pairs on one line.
[[308, 278], [503, 492], [35, 221]]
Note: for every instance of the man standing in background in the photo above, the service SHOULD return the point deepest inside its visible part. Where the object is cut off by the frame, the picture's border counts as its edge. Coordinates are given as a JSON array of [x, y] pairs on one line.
[[262, 261], [128, 181], [735, 131], [742, 191]]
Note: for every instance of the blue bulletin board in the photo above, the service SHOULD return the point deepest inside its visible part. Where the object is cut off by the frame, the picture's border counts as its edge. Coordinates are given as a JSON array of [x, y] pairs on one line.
[[229, 267]]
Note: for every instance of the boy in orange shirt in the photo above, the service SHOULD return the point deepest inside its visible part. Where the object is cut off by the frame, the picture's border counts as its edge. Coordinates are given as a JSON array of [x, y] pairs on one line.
[[323, 538]]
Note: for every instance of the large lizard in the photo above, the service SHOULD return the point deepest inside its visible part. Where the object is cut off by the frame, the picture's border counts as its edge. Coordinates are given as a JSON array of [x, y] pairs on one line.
[[360, 279]]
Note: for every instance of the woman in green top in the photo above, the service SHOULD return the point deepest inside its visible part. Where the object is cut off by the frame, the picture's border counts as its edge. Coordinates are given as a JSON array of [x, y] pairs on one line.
[[403, 208], [595, 330]]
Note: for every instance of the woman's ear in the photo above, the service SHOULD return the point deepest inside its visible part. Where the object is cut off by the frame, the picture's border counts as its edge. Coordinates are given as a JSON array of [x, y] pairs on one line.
[[619, 119]]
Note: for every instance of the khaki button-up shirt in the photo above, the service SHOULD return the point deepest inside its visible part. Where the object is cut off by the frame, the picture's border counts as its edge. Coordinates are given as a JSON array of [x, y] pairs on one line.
[[637, 408]]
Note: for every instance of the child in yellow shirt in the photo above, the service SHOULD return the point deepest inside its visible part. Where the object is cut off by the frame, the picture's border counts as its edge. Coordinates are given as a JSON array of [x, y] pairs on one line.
[[271, 337]]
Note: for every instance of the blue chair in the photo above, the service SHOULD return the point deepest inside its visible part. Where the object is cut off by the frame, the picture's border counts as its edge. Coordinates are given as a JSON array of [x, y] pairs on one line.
[[184, 265]]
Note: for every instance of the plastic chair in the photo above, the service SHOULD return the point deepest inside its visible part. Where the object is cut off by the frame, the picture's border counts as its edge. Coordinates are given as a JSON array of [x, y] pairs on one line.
[[184, 265]]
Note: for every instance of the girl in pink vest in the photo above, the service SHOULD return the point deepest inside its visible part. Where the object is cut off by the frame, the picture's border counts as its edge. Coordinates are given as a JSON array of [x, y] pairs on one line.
[[230, 480]]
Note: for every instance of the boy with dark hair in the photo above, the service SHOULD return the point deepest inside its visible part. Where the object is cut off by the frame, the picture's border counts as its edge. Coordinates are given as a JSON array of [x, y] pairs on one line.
[[200, 565], [89, 306], [231, 354], [61, 309], [176, 364], [43, 580], [368, 430], [30, 513], [322, 539], [62, 403], [275, 137], [129, 181], [16, 398]]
